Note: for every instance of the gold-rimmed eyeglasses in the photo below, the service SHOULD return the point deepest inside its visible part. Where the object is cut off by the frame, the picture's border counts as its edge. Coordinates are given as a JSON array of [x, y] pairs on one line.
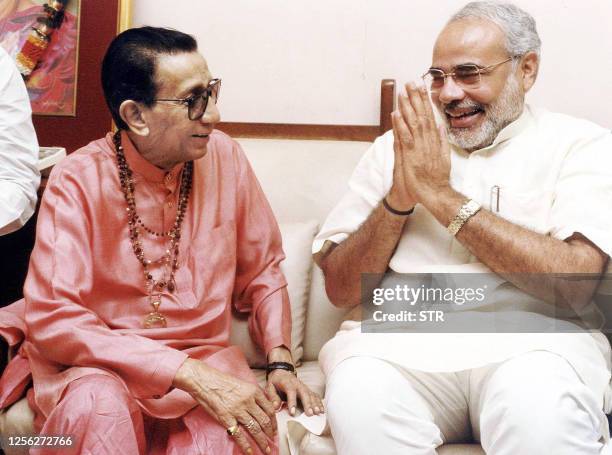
[[467, 76], [196, 104]]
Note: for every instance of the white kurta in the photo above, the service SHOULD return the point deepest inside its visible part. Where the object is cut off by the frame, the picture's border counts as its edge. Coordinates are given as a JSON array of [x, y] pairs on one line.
[[19, 176], [554, 174]]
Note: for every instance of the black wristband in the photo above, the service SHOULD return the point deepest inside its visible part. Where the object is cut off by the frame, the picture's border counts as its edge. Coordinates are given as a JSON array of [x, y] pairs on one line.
[[395, 211], [279, 366]]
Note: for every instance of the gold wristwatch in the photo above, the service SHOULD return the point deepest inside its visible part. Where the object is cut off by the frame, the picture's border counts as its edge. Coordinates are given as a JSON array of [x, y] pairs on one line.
[[467, 210]]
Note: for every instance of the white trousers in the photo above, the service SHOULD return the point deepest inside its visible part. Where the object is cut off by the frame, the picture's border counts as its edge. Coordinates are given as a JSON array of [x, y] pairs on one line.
[[533, 404]]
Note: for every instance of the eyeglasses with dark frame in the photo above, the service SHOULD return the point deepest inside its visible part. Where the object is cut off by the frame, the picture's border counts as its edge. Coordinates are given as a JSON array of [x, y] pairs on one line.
[[467, 76], [197, 104]]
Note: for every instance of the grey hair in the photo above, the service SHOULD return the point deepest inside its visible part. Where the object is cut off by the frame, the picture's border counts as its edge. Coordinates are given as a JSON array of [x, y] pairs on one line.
[[518, 25]]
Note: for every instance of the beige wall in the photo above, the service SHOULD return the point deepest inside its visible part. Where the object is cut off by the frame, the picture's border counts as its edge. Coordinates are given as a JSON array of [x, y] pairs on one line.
[[321, 61]]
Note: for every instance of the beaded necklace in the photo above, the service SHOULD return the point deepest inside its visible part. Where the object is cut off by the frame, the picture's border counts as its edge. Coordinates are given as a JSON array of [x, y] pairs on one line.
[[154, 287]]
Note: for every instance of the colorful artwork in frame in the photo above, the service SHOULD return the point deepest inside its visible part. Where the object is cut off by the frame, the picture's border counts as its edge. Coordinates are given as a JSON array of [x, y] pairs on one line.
[[52, 85]]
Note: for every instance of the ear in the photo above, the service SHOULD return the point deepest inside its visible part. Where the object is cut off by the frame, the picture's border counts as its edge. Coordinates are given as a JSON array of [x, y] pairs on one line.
[[529, 66], [131, 113]]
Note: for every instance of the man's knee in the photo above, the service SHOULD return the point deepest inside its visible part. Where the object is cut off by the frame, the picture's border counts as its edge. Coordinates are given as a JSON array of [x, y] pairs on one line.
[[539, 403], [99, 415], [370, 403], [358, 387], [97, 393]]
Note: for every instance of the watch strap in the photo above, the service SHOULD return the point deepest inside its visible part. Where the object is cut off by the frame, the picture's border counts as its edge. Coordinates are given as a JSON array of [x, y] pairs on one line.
[[467, 210]]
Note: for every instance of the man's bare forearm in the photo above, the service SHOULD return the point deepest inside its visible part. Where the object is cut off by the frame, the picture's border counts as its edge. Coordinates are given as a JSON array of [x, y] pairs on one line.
[[367, 250], [527, 259]]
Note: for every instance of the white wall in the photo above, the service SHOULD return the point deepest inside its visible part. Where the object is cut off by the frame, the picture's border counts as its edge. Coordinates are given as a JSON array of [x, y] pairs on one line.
[[321, 61]]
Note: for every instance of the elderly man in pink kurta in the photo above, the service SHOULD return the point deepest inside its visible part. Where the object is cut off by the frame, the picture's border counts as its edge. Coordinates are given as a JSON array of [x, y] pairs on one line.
[[146, 239]]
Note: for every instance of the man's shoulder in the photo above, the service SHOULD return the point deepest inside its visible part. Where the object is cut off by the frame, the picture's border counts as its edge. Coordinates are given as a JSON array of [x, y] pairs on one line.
[[225, 151], [82, 161], [223, 146], [567, 126], [5, 61], [219, 139], [9, 74]]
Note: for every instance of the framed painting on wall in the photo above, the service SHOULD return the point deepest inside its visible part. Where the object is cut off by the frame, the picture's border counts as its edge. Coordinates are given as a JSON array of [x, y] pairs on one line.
[[43, 39], [98, 23]]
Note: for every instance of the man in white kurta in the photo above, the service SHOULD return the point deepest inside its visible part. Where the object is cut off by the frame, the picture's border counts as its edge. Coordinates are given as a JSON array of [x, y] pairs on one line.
[[19, 179], [19, 176], [519, 192]]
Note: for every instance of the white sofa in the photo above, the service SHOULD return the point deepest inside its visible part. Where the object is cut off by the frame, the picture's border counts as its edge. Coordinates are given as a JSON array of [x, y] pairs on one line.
[[303, 180]]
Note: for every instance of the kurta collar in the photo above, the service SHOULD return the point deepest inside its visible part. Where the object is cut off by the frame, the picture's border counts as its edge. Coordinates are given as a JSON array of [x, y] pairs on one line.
[[514, 128], [141, 166]]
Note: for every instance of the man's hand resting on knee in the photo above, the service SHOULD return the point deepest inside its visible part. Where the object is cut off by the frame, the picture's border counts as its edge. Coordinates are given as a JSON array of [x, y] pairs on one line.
[[230, 400]]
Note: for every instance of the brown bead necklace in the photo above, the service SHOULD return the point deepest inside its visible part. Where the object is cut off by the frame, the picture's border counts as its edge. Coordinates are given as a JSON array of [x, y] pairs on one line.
[[154, 287]]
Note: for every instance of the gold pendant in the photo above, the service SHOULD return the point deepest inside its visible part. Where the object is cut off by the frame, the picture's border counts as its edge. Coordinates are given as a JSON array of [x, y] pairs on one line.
[[155, 320]]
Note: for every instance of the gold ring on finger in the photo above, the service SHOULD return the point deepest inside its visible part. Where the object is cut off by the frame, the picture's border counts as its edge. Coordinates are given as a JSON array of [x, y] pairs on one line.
[[233, 430], [251, 425]]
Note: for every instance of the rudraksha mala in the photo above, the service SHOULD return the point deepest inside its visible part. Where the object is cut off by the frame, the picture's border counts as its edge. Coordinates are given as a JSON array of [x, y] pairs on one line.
[[170, 258]]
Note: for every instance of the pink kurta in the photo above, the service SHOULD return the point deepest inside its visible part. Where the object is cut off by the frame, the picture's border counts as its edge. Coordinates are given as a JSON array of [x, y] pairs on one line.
[[85, 292]]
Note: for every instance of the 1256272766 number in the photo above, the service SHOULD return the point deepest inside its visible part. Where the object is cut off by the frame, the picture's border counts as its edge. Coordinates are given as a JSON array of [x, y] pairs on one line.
[[56, 441]]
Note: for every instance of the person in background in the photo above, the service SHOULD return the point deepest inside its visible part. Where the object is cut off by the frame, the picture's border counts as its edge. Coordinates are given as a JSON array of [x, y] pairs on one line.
[[19, 176], [19, 180]]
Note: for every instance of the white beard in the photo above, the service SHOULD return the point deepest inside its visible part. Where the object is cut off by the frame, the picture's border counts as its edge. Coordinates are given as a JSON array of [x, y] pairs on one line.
[[499, 114]]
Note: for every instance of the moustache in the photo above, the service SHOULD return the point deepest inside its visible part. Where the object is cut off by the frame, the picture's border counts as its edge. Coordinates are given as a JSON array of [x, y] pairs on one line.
[[462, 104]]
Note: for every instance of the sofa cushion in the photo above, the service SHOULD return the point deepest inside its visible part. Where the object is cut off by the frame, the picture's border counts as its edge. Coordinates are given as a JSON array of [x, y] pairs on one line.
[[303, 179], [322, 318], [17, 420], [297, 267]]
